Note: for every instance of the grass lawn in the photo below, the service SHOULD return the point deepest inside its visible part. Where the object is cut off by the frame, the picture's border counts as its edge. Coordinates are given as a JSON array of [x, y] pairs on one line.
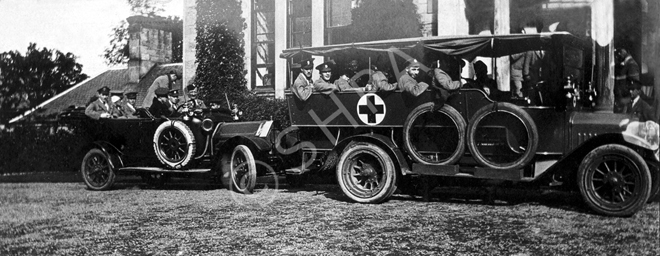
[[189, 219]]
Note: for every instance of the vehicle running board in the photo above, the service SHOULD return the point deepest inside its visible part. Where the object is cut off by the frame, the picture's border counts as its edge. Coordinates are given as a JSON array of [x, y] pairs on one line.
[[296, 171], [156, 169], [468, 172]]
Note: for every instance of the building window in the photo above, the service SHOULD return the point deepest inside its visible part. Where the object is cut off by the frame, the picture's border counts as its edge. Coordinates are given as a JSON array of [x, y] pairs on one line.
[[263, 46], [338, 21], [339, 13], [300, 23]]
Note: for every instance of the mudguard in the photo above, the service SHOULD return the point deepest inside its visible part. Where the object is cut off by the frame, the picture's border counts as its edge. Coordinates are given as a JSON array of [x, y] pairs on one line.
[[386, 143], [113, 152]]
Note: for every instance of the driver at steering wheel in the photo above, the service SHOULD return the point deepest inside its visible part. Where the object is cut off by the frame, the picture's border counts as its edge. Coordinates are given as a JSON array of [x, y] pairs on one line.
[[193, 103]]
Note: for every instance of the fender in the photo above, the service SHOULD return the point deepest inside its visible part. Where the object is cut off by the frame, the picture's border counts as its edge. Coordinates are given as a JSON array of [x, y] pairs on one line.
[[114, 154], [257, 144], [570, 162], [381, 140]]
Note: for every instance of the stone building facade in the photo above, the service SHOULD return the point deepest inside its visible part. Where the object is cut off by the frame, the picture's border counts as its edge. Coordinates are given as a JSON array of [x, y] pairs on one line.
[[275, 25]]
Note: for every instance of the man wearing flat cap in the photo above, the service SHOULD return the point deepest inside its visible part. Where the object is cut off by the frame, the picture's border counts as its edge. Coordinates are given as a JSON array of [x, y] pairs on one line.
[[407, 81], [323, 84], [101, 107], [638, 108], [302, 87], [164, 81], [161, 106]]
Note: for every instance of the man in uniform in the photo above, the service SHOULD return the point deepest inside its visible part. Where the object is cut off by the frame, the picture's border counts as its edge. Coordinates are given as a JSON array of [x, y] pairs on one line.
[[193, 103], [101, 107], [165, 81], [128, 104], [323, 84], [638, 108], [161, 106], [302, 87], [626, 70], [379, 81], [344, 81], [407, 81]]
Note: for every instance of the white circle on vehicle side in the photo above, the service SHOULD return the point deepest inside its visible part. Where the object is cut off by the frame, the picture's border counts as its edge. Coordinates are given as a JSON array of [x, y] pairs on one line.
[[371, 109]]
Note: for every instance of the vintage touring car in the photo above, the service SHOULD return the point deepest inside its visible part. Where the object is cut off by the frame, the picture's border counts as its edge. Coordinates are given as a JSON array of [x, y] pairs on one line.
[[553, 138], [200, 142]]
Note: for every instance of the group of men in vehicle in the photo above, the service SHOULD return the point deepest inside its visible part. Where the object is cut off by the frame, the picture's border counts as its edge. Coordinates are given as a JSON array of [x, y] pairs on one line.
[[445, 78], [164, 101], [409, 82]]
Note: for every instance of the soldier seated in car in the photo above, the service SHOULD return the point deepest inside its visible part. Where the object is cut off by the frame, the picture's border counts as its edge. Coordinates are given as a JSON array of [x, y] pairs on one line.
[[193, 103], [323, 84], [162, 106], [408, 81], [302, 87], [379, 81], [101, 107], [128, 103]]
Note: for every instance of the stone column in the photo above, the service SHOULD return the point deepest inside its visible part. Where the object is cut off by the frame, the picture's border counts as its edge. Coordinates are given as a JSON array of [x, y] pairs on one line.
[[602, 31], [247, 37], [502, 27], [451, 18], [318, 30], [281, 7], [189, 43]]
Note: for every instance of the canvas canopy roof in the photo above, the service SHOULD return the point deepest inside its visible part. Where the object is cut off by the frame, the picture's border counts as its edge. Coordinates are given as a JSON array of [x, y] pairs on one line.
[[466, 47]]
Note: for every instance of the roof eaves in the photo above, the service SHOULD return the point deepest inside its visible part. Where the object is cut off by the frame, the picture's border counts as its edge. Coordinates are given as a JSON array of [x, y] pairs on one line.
[[28, 112]]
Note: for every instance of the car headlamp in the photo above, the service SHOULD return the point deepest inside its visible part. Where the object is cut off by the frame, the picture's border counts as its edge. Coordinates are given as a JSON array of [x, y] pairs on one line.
[[644, 134], [207, 125]]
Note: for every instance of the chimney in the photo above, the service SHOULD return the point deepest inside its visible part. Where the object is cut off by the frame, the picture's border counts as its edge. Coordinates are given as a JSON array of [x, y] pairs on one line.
[[149, 43]]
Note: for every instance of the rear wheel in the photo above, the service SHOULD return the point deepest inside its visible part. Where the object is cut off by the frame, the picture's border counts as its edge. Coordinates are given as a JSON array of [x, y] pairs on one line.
[[366, 173], [614, 180], [97, 171]]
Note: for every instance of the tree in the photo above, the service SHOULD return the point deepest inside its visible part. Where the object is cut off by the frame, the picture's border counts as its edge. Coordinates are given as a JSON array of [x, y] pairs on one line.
[[117, 52], [26, 81], [385, 19]]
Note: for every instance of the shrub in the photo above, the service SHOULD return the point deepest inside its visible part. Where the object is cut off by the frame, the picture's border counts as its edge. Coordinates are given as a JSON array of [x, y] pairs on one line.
[[38, 147]]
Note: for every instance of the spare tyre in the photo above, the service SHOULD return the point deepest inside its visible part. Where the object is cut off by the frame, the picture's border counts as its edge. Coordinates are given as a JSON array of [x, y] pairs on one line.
[[174, 144], [502, 136], [434, 137]]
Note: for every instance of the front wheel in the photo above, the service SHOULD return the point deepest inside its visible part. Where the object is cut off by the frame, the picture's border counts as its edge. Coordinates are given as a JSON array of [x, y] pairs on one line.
[[242, 170], [614, 180], [366, 173], [97, 171]]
